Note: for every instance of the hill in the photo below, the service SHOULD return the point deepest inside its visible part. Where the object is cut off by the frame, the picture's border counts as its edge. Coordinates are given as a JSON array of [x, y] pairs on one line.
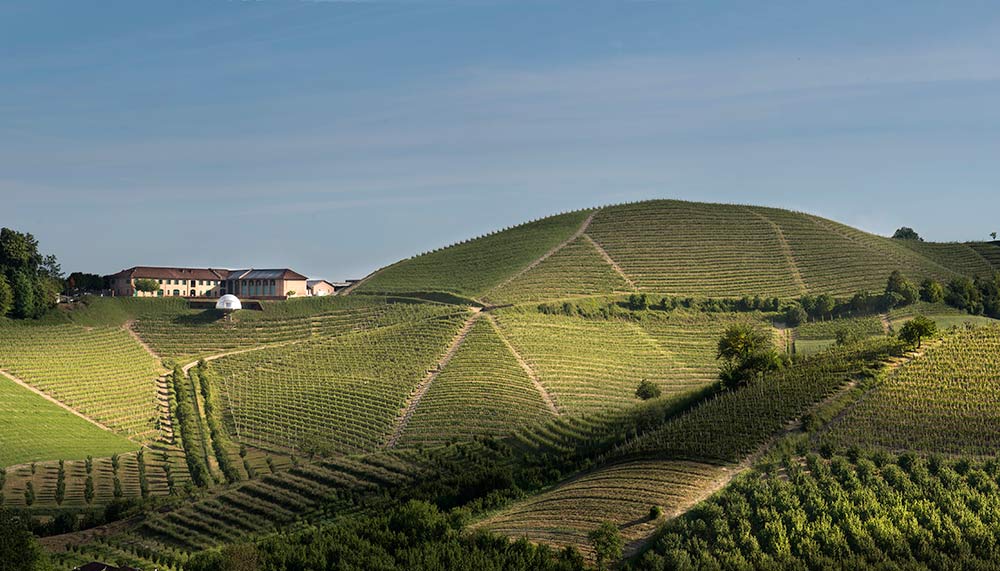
[[677, 248]]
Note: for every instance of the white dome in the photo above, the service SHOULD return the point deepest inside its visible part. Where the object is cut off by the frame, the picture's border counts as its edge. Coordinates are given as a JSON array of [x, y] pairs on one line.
[[228, 302]]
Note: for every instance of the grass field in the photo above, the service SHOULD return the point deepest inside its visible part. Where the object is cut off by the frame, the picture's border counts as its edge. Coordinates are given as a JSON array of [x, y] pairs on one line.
[[948, 400], [34, 429], [101, 372]]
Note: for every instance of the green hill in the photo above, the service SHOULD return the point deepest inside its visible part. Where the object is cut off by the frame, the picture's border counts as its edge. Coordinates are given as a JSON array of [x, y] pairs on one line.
[[677, 248]]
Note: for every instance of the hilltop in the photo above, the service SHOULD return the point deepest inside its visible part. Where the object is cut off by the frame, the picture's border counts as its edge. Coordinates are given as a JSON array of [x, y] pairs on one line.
[[677, 248]]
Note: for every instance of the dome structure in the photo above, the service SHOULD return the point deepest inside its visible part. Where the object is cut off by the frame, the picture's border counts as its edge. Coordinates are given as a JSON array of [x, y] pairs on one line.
[[228, 302]]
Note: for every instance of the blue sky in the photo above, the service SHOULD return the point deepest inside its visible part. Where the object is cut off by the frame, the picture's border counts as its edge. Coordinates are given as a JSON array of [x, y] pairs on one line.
[[336, 137]]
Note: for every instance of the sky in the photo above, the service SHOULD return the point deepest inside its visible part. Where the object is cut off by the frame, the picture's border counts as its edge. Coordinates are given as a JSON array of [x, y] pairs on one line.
[[338, 137]]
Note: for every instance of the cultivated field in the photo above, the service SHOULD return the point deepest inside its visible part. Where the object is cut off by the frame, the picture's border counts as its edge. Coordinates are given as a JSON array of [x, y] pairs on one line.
[[101, 372], [948, 400]]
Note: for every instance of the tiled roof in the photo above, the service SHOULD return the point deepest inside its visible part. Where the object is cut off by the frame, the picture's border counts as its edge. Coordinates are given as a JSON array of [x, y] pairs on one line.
[[172, 273]]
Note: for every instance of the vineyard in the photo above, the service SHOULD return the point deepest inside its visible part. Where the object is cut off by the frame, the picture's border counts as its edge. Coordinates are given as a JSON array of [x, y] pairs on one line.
[[623, 494], [735, 424], [591, 365], [340, 392], [203, 333], [483, 391], [32, 428], [881, 512], [474, 266], [948, 400], [101, 372], [576, 270], [856, 328]]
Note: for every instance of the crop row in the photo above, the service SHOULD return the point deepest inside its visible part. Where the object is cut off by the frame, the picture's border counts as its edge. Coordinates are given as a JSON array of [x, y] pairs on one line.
[[475, 266], [102, 372], [947, 400], [483, 391], [340, 392], [578, 269]]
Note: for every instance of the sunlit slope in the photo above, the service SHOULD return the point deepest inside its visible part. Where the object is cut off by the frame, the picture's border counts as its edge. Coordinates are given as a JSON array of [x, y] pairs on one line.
[[101, 372], [475, 266], [32, 428], [483, 391], [678, 248]]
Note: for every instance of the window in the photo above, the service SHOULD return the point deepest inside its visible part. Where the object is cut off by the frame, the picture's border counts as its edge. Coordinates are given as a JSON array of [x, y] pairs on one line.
[[177, 292], [159, 293]]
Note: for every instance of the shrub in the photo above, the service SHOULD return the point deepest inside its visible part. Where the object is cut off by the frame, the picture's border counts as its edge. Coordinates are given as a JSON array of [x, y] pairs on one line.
[[647, 390]]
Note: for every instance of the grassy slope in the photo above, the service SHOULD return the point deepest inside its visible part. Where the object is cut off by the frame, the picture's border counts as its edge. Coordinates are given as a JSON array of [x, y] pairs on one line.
[[682, 248], [481, 392], [32, 428], [474, 267], [102, 372]]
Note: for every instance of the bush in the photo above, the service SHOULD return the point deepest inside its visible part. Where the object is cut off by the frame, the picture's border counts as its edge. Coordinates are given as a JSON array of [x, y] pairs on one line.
[[647, 390]]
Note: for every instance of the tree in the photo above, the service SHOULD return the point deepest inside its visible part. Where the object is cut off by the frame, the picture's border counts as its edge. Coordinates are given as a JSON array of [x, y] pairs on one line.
[[931, 291], [993, 235], [6, 296], [81, 281], [607, 543], [18, 548], [748, 352], [824, 305], [638, 301], [24, 296], [795, 315], [907, 233], [147, 285], [34, 279], [647, 390], [897, 283], [917, 329]]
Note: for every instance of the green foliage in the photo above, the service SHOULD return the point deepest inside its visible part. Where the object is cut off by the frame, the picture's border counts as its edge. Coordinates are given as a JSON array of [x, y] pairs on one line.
[[931, 291], [647, 390], [876, 511], [917, 329], [18, 549], [186, 413], [897, 284], [203, 376], [34, 279], [794, 315], [6, 296], [607, 543], [415, 536], [147, 285], [907, 233], [747, 352]]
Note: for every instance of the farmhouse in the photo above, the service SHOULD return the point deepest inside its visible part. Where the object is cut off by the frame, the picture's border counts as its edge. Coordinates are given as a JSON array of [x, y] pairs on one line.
[[210, 282]]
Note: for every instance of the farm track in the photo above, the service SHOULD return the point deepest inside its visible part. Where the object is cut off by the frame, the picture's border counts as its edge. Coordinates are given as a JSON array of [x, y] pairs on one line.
[[579, 232], [414, 400], [129, 327], [611, 262], [58, 403], [550, 403], [786, 250], [886, 326]]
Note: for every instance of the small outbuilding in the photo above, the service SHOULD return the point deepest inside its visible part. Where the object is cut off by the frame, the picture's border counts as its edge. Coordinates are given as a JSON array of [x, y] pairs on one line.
[[320, 287], [228, 303]]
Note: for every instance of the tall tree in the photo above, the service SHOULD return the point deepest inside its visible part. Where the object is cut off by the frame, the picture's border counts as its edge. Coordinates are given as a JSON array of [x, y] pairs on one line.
[[6, 296], [907, 233]]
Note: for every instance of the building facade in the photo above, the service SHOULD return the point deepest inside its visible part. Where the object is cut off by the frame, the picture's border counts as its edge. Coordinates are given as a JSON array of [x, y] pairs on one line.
[[209, 282]]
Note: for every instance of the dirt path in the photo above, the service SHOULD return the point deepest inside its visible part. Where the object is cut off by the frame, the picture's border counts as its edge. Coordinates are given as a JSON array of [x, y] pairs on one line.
[[550, 403], [425, 384], [611, 262], [52, 400], [786, 250], [579, 232], [129, 326], [886, 325]]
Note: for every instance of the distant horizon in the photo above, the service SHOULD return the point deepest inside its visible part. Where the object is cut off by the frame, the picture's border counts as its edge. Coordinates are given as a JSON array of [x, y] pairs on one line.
[[338, 137]]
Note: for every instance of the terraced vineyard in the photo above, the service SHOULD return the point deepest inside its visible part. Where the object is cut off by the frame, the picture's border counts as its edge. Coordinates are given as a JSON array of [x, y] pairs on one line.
[[688, 248], [101, 372], [344, 391], [576, 270], [483, 391], [32, 428], [735, 424], [948, 400], [474, 266], [990, 251], [623, 494], [592, 365], [961, 258], [858, 327], [186, 337], [163, 472]]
